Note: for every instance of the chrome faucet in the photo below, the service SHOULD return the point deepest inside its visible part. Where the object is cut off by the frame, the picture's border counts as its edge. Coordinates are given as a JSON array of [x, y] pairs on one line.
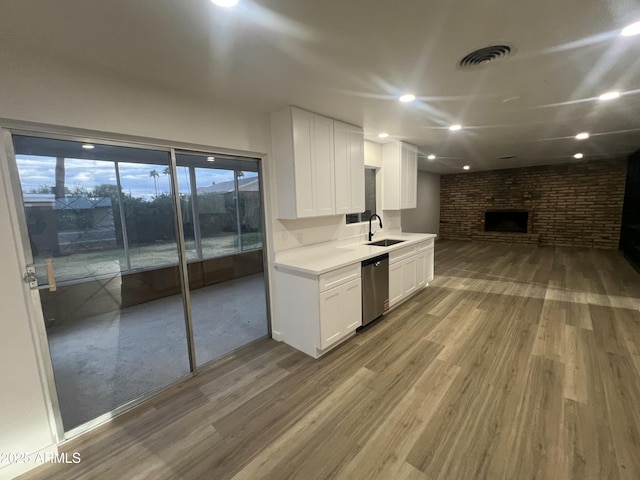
[[371, 218]]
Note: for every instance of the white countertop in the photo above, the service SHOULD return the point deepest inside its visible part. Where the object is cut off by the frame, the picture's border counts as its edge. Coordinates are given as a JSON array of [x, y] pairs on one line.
[[324, 257]]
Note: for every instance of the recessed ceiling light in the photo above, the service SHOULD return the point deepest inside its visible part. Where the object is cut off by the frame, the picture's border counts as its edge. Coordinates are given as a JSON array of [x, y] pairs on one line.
[[88, 146], [466, 167], [225, 3], [609, 95], [455, 128], [582, 136], [407, 98], [383, 135], [631, 30], [578, 156], [431, 157], [211, 159]]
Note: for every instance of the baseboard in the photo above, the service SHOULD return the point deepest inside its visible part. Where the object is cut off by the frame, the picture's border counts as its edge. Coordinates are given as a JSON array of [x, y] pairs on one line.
[[277, 336]]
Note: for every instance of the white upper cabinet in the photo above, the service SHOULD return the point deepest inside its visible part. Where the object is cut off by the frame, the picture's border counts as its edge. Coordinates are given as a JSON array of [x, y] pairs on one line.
[[349, 168], [302, 144], [319, 164], [400, 175], [323, 160]]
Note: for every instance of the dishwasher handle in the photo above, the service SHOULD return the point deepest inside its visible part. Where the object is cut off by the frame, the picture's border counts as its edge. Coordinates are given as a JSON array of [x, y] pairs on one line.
[[375, 261]]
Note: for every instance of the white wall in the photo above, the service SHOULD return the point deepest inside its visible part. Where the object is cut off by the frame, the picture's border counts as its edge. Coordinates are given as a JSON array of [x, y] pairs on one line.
[[44, 91], [426, 217]]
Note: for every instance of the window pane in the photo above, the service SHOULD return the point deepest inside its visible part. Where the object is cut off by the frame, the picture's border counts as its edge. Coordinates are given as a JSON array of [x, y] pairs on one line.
[[217, 211], [369, 193], [186, 205], [369, 198], [250, 210], [72, 215], [148, 209]]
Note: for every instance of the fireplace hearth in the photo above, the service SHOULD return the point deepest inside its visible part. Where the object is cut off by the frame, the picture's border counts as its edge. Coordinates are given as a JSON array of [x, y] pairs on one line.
[[511, 221]]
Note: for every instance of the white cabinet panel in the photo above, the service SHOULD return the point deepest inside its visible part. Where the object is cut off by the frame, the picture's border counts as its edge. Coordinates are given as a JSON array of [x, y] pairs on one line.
[[352, 306], [341, 142], [421, 273], [409, 180], [400, 176], [349, 168], [303, 163], [356, 163], [340, 312], [323, 161], [330, 317], [409, 276], [395, 284], [429, 264]]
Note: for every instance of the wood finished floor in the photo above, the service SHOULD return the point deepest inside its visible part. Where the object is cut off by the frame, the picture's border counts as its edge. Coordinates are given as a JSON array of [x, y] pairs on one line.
[[516, 363]]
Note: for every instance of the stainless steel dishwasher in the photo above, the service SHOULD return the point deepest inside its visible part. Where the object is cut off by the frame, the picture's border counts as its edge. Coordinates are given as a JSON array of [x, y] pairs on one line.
[[375, 287]]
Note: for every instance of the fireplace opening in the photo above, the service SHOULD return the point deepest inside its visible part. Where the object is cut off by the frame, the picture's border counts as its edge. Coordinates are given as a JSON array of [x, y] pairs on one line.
[[506, 221]]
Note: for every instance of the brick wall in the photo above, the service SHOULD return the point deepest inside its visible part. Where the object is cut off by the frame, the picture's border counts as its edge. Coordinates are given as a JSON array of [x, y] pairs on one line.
[[573, 204]]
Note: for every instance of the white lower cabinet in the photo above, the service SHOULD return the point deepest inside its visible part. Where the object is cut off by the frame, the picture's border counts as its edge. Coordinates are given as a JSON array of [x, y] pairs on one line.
[[410, 269], [318, 311], [340, 312]]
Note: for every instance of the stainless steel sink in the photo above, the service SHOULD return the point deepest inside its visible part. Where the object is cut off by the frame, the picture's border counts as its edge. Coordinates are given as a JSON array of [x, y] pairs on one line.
[[385, 243]]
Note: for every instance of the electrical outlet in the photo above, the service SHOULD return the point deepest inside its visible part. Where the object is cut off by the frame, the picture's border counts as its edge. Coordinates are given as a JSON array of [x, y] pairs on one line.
[[299, 237]]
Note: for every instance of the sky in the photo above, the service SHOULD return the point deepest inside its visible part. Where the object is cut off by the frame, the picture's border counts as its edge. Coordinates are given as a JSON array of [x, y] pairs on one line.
[[36, 171]]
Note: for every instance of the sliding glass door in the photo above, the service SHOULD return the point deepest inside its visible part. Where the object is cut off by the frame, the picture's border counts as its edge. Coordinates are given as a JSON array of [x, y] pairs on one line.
[[135, 293], [222, 212], [101, 228]]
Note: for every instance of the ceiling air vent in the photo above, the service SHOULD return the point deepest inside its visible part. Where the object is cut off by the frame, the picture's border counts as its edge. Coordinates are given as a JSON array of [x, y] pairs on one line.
[[484, 56]]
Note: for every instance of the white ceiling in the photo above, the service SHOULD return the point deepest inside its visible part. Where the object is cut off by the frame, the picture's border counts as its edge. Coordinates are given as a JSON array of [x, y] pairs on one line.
[[351, 59]]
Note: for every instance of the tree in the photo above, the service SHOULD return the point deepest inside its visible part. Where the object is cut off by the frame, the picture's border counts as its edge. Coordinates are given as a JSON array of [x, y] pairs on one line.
[[154, 174], [59, 190]]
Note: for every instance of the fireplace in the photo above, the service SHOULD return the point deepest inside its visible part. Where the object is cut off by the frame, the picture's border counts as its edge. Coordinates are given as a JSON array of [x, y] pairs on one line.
[[513, 221]]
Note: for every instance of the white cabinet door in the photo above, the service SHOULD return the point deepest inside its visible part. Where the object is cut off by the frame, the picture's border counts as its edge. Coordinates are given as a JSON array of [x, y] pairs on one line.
[[356, 161], [400, 176], [342, 144], [429, 265], [340, 312], [304, 163], [395, 283], [409, 176], [331, 319], [409, 276], [352, 306], [349, 168], [323, 163], [421, 273]]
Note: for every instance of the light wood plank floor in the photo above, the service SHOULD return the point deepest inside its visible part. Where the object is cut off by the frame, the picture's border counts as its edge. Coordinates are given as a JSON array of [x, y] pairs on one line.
[[516, 363]]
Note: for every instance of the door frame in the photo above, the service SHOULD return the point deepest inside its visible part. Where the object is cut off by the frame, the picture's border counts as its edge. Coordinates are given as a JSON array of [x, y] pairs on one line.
[[11, 180], [10, 176]]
